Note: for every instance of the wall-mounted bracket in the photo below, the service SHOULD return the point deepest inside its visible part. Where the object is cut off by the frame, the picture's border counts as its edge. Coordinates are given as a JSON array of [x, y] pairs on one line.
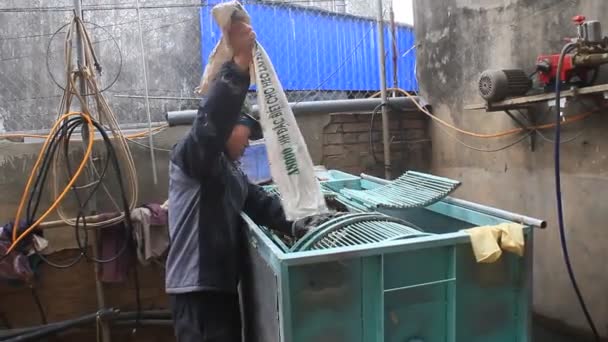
[[530, 100], [526, 121]]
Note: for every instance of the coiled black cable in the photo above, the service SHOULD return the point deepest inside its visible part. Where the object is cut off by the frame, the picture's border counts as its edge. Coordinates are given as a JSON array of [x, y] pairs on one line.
[[127, 211], [64, 135], [372, 150], [60, 135], [39, 305]]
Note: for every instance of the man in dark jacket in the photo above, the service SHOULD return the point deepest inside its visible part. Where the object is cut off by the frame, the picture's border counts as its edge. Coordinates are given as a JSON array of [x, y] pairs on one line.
[[207, 193]]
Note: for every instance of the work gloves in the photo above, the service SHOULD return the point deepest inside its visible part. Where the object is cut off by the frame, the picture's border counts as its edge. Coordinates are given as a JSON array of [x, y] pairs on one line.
[[302, 226]]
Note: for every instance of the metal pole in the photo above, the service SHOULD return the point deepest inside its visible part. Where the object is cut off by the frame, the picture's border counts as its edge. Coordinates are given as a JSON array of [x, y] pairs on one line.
[[340, 6], [92, 206], [385, 116], [145, 71], [180, 98], [186, 117], [394, 46]]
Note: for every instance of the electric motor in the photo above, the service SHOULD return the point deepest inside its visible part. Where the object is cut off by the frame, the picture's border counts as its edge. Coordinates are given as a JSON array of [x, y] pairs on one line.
[[497, 85]]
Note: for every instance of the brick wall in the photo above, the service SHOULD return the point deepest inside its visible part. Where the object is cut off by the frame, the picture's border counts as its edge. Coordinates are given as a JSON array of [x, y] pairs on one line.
[[346, 143]]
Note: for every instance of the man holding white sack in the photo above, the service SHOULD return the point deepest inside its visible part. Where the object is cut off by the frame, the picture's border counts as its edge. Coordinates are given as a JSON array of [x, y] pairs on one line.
[[207, 193]]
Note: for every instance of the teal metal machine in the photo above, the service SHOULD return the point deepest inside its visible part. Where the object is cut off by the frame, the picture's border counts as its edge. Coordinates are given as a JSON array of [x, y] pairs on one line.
[[391, 270]]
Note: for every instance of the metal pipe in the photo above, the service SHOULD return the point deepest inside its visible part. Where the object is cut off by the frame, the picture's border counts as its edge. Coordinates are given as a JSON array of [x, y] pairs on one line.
[[591, 60], [394, 46], [507, 215], [38, 334], [146, 322], [340, 6], [123, 127], [145, 71], [176, 98], [108, 314], [89, 219], [92, 205], [186, 117], [385, 115]]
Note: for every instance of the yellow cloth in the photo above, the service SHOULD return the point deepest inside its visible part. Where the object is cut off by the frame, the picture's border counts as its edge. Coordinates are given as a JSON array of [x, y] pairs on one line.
[[485, 241]]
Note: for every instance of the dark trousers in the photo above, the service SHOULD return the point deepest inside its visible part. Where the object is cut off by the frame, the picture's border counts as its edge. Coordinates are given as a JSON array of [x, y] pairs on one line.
[[206, 316]]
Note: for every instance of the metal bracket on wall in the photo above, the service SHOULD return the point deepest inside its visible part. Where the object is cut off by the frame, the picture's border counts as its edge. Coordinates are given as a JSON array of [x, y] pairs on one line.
[[530, 119], [526, 101]]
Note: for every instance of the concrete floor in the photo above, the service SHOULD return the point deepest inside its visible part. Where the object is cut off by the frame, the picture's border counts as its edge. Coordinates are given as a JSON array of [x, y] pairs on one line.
[[542, 333]]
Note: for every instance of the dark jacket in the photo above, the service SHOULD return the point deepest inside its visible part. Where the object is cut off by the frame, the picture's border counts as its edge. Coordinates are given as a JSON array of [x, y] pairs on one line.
[[207, 193]]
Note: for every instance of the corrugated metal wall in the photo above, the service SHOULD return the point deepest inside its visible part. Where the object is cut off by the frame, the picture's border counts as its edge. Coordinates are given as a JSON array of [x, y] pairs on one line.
[[313, 49]]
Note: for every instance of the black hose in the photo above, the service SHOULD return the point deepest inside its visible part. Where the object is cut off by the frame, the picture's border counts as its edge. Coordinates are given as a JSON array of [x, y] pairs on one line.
[[108, 314], [66, 137], [42, 175], [558, 193], [127, 211], [50, 329], [82, 205], [371, 135], [64, 134], [39, 305], [137, 294], [67, 131], [146, 322]]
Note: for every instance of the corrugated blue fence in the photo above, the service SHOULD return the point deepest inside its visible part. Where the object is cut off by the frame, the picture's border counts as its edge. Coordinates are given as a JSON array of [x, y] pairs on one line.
[[314, 49]]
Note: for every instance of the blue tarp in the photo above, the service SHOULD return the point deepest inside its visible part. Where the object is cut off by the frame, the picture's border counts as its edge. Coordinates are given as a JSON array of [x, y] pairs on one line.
[[315, 49]]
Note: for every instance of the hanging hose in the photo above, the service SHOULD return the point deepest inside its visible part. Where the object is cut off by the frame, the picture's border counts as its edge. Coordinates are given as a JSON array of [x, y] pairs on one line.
[[104, 114], [48, 159], [18, 237], [558, 193], [148, 317], [372, 150]]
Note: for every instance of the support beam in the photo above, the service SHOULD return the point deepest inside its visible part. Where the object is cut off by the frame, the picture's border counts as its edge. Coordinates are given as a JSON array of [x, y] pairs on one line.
[[385, 114], [186, 117]]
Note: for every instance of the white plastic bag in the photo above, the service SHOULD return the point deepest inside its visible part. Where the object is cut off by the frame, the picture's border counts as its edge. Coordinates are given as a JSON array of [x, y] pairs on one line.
[[223, 14], [290, 165]]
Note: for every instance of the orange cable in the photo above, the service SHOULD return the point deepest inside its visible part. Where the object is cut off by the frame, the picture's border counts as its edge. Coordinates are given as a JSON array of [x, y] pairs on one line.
[[31, 177], [8, 136], [482, 135], [17, 239], [42, 136]]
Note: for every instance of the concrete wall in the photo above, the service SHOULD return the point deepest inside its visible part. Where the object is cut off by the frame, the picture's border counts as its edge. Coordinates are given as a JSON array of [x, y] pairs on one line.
[[458, 39], [346, 143]]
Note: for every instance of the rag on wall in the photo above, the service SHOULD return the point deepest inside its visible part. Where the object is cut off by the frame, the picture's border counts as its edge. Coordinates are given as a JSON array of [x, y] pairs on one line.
[[150, 232], [16, 265], [110, 241], [6, 233]]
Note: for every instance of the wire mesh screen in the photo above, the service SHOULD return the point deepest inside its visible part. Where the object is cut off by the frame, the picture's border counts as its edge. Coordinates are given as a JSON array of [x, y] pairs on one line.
[[321, 49]]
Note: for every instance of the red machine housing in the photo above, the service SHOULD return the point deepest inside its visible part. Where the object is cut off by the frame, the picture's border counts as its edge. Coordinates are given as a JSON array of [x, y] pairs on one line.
[[549, 75]]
